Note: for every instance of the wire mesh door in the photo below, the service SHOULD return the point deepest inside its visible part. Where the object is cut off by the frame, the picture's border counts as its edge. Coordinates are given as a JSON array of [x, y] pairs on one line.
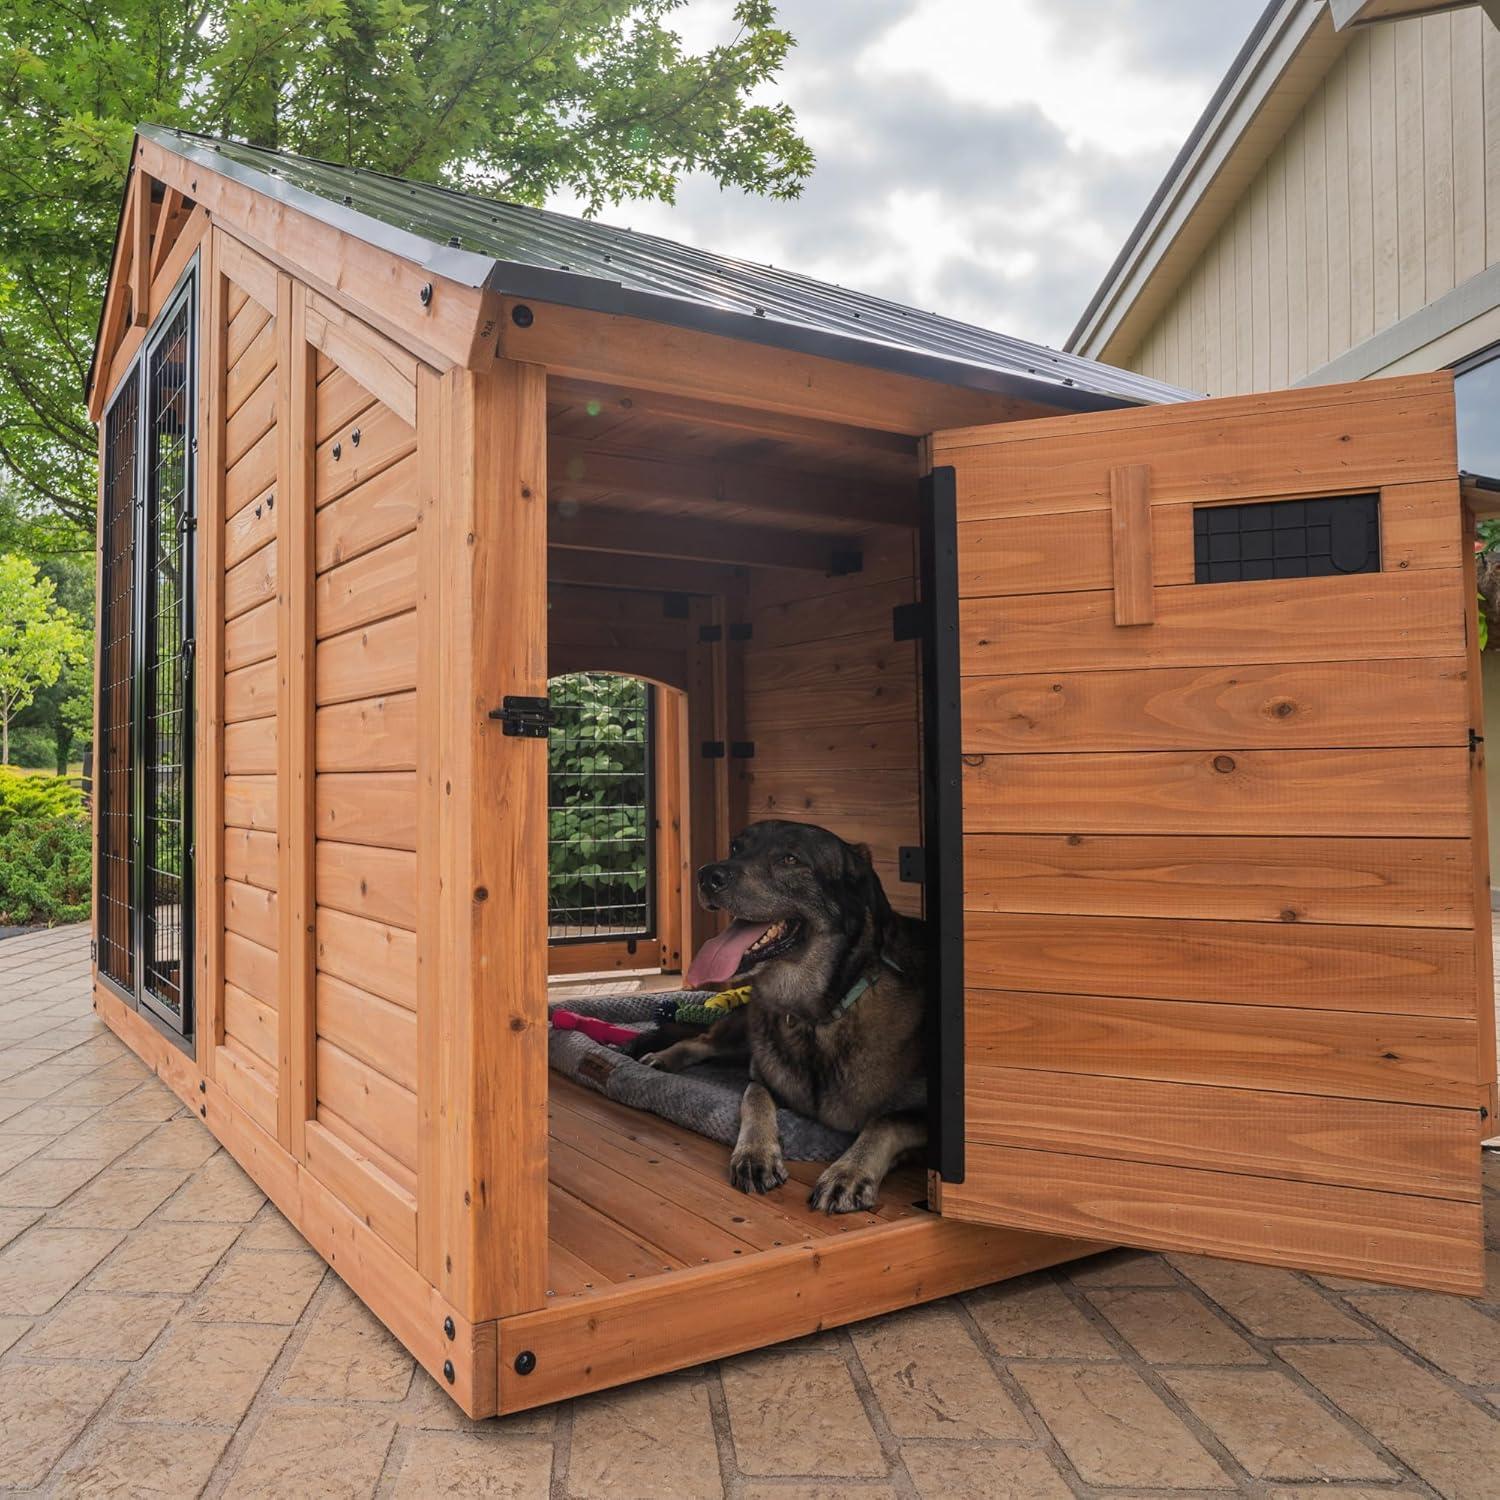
[[113, 758], [164, 704], [601, 820]]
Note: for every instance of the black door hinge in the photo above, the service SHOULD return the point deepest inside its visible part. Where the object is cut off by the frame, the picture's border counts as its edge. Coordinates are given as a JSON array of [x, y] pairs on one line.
[[93, 951], [844, 561], [710, 633], [742, 749], [741, 630], [1475, 740], [675, 606], [525, 718], [712, 750], [908, 621], [911, 864]]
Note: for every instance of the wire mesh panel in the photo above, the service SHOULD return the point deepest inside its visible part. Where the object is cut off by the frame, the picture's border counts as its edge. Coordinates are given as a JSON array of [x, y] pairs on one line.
[[166, 711], [600, 850], [114, 763]]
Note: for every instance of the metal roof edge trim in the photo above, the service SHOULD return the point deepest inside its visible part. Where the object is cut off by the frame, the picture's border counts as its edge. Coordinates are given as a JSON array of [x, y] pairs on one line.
[[594, 294]]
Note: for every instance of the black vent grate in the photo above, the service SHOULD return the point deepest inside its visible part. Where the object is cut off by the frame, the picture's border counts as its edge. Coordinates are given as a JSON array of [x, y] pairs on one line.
[[114, 766], [167, 713], [1287, 539]]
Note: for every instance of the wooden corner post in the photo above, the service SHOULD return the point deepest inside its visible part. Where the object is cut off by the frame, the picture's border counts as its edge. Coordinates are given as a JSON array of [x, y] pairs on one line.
[[482, 1030]]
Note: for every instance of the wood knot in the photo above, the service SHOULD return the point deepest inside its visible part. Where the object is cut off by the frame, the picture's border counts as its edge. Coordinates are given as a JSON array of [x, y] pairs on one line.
[[1283, 708], [1289, 915], [481, 893], [1074, 840], [1223, 764]]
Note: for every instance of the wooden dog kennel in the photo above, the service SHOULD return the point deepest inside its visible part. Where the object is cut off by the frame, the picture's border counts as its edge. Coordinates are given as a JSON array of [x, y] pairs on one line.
[[1195, 805]]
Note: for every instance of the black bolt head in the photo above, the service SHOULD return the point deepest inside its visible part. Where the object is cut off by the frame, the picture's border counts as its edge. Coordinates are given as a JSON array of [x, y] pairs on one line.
[[522, 316], [448, 1329], [525, 1362], [448, 1374]]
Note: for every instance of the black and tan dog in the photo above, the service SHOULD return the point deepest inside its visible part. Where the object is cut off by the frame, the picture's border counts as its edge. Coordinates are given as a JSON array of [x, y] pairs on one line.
[[834, 1027]]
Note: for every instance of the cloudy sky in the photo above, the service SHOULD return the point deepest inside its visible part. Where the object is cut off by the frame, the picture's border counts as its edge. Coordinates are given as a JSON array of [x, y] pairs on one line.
[[980, 158]]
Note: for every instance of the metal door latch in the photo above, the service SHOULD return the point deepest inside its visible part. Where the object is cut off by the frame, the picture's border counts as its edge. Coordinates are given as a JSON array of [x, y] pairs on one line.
[[525, 718]]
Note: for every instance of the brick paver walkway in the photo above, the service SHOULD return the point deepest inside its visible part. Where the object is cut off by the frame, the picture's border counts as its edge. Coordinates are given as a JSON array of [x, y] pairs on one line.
[[166, 1333]]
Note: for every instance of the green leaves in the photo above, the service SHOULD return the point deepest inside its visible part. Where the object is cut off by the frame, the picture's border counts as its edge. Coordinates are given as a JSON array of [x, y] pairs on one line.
[[512, 98], [598, 832], [39, 639]]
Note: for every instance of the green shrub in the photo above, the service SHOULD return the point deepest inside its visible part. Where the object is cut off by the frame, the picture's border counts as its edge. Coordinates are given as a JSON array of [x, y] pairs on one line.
[[598, 835], [24, 799], [44, 871], [33, 746]]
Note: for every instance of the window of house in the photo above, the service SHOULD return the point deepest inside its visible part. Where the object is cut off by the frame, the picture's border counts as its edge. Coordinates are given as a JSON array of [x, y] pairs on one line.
[[1476, 388]]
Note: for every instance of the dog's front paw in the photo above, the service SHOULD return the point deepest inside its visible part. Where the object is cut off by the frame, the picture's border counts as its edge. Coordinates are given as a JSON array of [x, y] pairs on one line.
[[668, 1060], [844, 1189], [759, 1170]]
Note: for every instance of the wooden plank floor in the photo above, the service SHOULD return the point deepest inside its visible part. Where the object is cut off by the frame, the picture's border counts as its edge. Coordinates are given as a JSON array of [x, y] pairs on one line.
[[632, 1195]]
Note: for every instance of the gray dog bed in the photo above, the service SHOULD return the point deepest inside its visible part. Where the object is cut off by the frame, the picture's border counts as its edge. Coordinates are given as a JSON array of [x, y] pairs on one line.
[[704, 1099]]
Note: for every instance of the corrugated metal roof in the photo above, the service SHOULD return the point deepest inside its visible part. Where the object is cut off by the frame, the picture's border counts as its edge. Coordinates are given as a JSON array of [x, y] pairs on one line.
[[520, 251]]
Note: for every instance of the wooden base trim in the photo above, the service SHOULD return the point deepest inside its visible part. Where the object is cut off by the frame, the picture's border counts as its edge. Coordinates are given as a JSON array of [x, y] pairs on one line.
[[685, 1317], [396, 1293], [597, 958]]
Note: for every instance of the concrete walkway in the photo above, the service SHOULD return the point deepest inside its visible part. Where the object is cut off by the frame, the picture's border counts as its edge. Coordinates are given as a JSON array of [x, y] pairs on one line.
[[166, 1333]]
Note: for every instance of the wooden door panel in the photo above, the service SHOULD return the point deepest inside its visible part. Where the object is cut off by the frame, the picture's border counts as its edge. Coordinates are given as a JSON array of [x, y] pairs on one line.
[[1226, 978]]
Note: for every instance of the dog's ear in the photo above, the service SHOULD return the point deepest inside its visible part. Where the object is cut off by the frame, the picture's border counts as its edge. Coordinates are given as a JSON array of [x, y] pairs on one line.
[[860, 867]]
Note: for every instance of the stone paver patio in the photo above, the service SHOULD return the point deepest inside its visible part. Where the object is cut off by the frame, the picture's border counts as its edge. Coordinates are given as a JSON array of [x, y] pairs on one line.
[[165, 1332]]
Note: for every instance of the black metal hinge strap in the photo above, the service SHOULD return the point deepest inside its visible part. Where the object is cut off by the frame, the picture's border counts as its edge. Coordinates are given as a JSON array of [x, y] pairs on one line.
[[908, 621]]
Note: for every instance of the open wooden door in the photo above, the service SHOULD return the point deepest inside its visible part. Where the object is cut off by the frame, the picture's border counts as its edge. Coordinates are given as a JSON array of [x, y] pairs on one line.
[[1226, 977]]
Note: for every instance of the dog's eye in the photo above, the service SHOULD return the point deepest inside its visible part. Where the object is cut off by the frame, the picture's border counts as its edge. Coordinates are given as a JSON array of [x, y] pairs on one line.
[[790, 859], [736, 849]]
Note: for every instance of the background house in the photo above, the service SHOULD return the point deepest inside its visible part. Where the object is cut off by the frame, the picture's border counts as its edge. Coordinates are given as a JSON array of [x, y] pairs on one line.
[[1334, 215]]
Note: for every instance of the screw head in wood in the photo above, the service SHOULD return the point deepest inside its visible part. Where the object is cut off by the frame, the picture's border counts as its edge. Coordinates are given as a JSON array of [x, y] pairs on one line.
[[202, 1086], [426, 294], [448, 1329], [448, 1374], [525, 1362], [338, 452], [354, 437], [522, 316]]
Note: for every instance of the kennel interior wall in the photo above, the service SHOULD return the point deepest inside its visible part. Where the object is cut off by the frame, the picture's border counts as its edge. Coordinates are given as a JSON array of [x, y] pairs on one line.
[[414, 504]]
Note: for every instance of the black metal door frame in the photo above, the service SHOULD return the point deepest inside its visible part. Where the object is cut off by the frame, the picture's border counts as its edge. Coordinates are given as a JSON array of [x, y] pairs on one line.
[[177, 1021], [943, 822]]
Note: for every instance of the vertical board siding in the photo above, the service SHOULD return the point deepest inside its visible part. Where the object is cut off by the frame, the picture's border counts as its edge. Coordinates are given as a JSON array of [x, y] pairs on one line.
[[1383, 194], [1124, 837]]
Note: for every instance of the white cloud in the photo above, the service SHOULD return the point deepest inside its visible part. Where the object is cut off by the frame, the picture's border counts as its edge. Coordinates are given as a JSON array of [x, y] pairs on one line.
[[980, 158]]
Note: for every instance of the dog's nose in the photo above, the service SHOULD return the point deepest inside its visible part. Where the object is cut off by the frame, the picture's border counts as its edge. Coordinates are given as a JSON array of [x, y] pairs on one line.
[[712, 879]]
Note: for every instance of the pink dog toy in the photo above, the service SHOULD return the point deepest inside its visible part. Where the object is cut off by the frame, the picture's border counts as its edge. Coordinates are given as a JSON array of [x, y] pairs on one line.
[[593, 1028]]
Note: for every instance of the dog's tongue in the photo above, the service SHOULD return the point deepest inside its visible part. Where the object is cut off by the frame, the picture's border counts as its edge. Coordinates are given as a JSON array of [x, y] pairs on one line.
[[718, 960]]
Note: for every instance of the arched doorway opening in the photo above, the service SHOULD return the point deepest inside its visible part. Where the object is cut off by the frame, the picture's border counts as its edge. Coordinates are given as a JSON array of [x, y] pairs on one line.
[[614, 812]]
